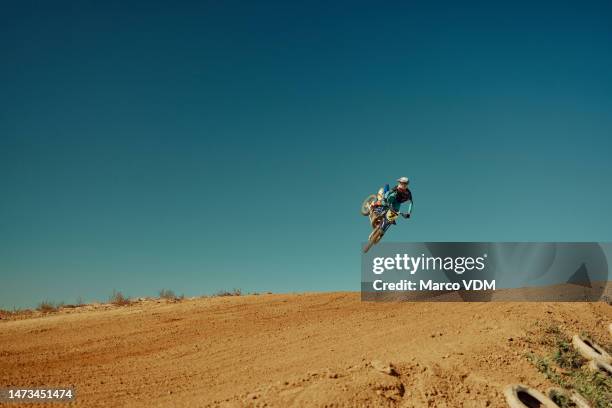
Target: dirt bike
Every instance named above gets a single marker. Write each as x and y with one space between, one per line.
381 218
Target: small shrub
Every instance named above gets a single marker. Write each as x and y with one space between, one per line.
167 294
561 400
565 356
595 386
118 299
47 306
544 366
235 292
6 314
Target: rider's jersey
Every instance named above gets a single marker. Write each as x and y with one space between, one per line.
395 198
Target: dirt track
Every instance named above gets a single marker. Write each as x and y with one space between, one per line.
282 350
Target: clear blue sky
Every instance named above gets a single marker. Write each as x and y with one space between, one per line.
206 145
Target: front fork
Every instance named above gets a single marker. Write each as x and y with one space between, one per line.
384 223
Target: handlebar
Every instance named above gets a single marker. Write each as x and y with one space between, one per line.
405 215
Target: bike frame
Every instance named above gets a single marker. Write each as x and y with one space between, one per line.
385 224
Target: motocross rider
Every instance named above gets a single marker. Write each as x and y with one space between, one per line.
396 196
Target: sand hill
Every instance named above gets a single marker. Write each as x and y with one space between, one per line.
326 349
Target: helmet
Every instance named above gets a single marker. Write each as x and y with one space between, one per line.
403 180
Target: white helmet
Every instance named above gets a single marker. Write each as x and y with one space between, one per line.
403 180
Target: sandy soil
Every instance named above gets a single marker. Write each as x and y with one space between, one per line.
287 350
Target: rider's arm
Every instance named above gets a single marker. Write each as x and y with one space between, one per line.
389 197
409 203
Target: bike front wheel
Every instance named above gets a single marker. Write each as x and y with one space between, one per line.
373 239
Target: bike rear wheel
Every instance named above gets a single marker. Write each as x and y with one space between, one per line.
365 206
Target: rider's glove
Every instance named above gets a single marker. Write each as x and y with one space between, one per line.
406 215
